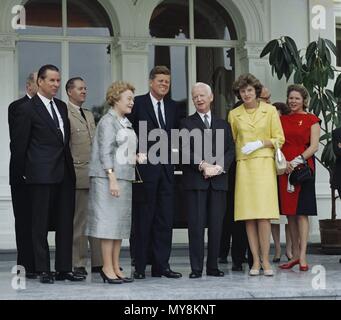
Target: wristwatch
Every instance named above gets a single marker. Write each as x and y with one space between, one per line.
109 171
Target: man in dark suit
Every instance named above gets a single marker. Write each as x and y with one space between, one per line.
19 192
153 216
43 159
205 179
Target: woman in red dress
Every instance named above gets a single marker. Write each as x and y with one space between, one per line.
302 132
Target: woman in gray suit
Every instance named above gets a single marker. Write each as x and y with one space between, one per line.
112 170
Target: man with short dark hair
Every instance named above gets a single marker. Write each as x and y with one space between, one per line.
153 215
83 127
19 193
45 162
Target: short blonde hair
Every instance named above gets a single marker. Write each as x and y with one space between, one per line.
116 89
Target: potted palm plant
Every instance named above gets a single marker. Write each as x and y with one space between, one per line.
313 68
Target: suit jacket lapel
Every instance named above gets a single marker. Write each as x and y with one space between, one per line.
150 110
64 116
169 115
198 121
40 108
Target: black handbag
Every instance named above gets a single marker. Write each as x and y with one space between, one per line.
301 174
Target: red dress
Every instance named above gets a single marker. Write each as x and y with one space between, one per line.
297 129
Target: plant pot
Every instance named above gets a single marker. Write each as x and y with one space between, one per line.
330 231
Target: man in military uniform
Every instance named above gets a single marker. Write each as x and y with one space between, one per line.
82 125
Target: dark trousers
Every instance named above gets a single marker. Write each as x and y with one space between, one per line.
53 202
153 223
205 207
23 226
236 231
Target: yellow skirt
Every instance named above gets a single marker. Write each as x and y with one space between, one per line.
256 195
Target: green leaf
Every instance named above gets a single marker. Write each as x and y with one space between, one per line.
328 56
274 54
331 74
331 46
293 51
311 50
326 136
313 101
268 48
298 77
287 54
321 47
337 87
330 95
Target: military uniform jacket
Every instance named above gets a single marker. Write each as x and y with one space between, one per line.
82 133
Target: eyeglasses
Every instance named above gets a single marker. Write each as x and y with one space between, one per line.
265 98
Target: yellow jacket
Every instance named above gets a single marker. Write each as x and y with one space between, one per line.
264 124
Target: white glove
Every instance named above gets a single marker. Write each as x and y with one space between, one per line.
295 162
252 146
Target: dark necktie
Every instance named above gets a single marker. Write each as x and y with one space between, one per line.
82 113
161 121
54 115
206 121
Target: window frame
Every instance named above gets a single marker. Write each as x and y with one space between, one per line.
64 40
192 44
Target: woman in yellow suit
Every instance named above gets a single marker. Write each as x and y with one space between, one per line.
256 129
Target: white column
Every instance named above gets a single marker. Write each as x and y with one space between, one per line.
7 94
132 57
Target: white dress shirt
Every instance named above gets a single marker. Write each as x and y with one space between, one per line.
155 106
202 116
46 102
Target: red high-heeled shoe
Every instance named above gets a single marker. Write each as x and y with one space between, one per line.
289 265
304 268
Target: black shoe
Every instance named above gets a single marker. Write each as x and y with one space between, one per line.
31 275
110 280
80 271
195 275
96 269
139 275
237 267
46 277
71 276
223 260
276 260
99 269
340 260
126 279
168 273
215 273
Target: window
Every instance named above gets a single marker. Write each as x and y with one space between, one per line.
68 34
196 39
338 41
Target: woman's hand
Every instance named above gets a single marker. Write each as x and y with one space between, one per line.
289 168
141 157
113 186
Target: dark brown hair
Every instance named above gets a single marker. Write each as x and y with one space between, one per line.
244 80
71 84
282 107
158 70
43 69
